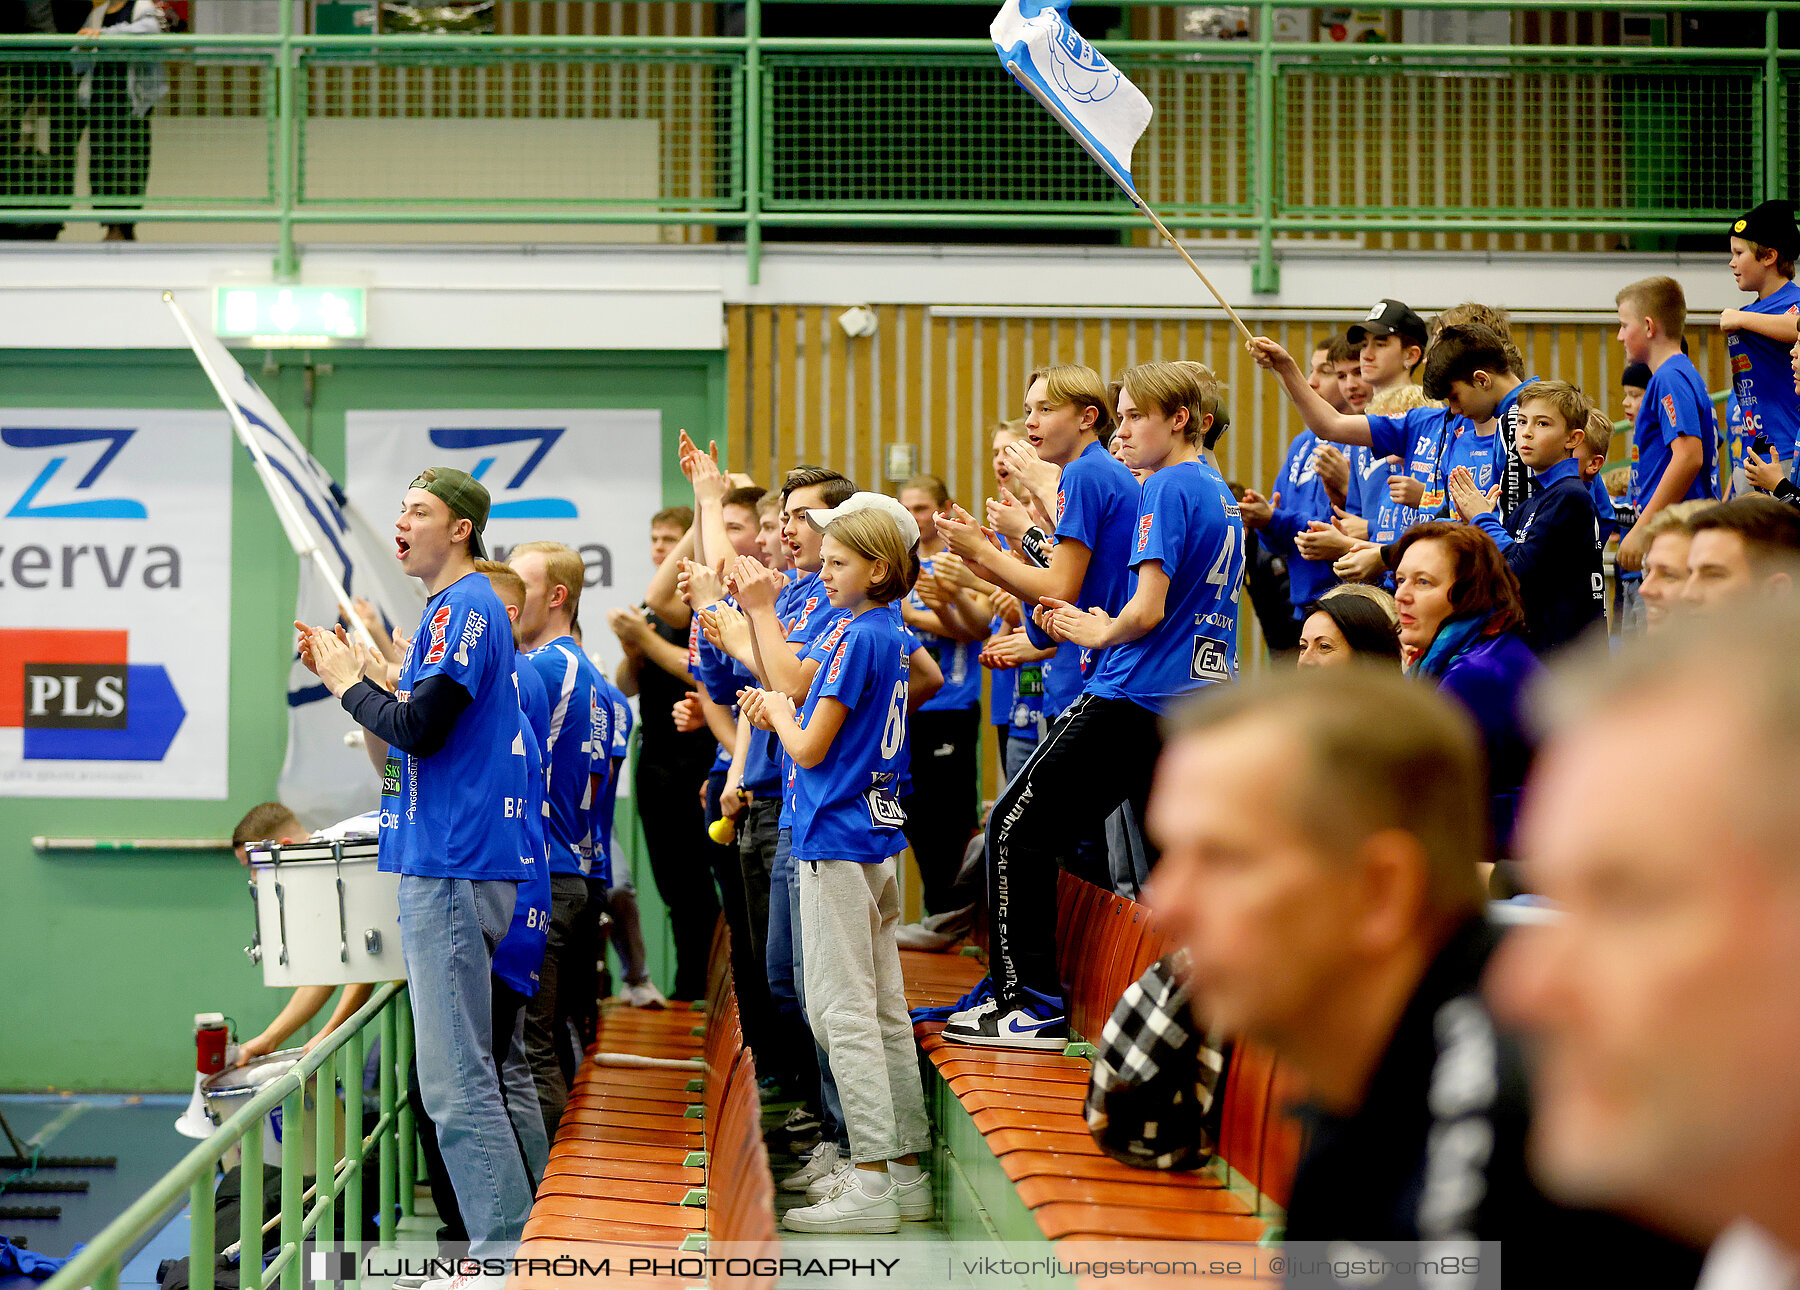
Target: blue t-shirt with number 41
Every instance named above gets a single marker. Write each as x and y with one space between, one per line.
1188 521
460 813
847 807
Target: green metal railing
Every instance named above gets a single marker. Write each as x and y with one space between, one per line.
1534 146
340 1055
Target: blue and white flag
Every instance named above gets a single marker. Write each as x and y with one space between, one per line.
1079 86
324 777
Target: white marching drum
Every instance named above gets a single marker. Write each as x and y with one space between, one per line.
325 915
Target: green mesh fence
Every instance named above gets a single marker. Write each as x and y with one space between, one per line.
112 132
613 129
1570 140
863 131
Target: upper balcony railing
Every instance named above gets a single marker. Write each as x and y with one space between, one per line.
1495 124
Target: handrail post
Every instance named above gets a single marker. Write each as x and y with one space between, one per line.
201 1256
409 1129
293 1168
1771 132
250 1210
390 1137
325 1154
352 1205
753 138
1265 276
287 125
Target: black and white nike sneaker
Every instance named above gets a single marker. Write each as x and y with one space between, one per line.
1039 1021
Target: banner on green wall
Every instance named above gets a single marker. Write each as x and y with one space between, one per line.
589 478
115 603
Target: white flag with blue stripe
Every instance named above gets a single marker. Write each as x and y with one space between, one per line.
1079 86
323 778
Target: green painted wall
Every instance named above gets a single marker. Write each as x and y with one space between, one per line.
104 959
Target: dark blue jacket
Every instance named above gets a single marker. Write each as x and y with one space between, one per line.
1552 543
1490 678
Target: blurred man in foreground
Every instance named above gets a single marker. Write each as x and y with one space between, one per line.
1320 832
1666 1000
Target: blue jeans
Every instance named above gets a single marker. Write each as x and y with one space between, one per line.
448 930
1015 751
784 917
832 1107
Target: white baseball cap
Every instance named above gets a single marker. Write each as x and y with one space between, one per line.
909 527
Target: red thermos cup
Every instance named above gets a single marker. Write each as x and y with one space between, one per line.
210 1037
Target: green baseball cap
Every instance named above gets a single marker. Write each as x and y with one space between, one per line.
464 494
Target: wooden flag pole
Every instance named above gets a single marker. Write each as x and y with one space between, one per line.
1161 228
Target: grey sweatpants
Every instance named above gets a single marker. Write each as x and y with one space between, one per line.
856 1003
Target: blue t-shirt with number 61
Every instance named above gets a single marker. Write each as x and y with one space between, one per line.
847 807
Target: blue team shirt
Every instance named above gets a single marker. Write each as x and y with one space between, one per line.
1675 404
1097 499
580 723
1762 378
1483 454
1190 523
601 820
1419 438
1303 500
520 952
959 661
806 615
1003 683
460 813
723 676
1371 492
848 806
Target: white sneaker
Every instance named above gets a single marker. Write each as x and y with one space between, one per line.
824 1160
969 1016
822 1187
914 1199
849 1209
644 995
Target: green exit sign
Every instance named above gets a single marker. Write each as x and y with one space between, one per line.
291 317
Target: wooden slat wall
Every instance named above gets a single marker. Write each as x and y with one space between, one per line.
800 391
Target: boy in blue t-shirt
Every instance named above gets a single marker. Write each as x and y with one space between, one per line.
1176 632
1067 412
1299 497
1764 245
580 722
455 794
847 747
1676 438
1418 438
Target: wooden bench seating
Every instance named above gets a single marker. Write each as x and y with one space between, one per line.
1027 1106
632 1170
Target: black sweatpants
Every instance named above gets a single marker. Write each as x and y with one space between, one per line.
943 805
738 896
1101 752
668 803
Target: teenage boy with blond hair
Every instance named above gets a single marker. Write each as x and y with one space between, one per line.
1552 542
1675 440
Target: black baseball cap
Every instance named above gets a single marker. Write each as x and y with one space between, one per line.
464 495
1771 225
1636 375
1389 318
